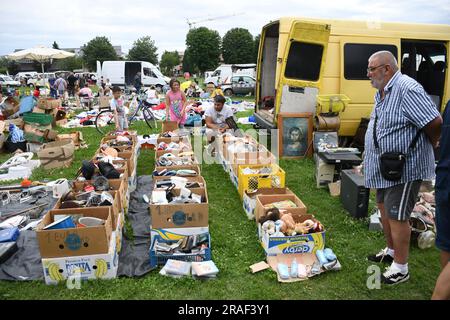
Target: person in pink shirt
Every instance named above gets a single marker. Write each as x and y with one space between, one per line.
176 103
86 91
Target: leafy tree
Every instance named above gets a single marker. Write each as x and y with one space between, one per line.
55 45
203 48
169 60
256 48
100 49
69 64
237 46
144 49
188 65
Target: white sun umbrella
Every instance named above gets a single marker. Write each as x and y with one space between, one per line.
40 54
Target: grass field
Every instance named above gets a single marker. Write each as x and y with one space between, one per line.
235 247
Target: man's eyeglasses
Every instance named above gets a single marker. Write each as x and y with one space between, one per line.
372 69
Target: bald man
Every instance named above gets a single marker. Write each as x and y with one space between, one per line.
403 113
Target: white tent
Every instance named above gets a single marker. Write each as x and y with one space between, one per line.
40 54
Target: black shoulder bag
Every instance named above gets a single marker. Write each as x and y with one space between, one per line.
392 163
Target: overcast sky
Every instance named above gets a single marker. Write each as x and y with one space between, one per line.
26 23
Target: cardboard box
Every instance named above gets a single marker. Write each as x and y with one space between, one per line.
56 154
307 243
198 179
264 200
169 126
241 159
116 208
48 103
185 215
249 200
175 139
88 267
38 110
196 168
176 233
75 241
118 185
76 137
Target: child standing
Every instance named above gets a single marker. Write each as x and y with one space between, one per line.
176 103
119 109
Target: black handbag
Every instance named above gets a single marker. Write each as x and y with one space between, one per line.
392 163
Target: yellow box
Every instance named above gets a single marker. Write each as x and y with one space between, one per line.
252 182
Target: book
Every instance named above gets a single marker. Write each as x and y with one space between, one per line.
177 267
204 268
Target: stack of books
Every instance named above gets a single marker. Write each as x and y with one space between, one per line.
204 270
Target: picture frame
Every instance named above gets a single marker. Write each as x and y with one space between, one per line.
295 135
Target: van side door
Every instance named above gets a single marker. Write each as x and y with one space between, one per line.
302 67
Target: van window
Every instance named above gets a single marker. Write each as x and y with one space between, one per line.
304 61
149 73
356 57
216 73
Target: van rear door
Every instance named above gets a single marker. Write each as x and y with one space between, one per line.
302 67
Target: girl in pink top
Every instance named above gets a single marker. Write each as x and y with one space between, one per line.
176 103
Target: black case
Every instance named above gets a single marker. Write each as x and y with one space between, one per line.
354 195
7 249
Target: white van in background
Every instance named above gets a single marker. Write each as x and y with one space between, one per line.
225 71
122 73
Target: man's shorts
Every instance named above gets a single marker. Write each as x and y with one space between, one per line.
399 200
443 219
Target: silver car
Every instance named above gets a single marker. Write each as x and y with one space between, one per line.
239 85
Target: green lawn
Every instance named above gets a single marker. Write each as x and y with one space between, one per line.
235 247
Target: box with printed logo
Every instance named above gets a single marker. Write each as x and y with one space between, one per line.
175 233
304 243
81 268
76 241
249 200
181 215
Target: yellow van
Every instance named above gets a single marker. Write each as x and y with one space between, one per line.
299 59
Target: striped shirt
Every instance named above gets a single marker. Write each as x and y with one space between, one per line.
405 109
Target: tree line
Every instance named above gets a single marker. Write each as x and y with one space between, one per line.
204 49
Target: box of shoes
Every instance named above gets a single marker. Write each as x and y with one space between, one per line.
76 238
72 270
275 244
178 213
174 169
249 200
188 182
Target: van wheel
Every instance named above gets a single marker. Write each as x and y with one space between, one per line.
228 92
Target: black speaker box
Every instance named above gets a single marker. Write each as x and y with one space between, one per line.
354 195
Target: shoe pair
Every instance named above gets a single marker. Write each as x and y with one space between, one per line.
393 276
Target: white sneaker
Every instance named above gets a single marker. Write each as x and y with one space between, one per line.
393 276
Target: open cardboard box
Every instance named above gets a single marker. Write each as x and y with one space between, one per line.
86 267
116 208
249 200
75 241
263 200
176 139
48 103
198 179
118 185
56 154
175 233
184 215
196 168
169 126
304 243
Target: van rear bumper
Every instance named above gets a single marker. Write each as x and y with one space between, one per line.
263 123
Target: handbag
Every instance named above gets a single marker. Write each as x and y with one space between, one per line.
392 162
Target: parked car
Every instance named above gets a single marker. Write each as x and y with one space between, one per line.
28 75
41 79
6 80
239 85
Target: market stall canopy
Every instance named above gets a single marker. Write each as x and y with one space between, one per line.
40 54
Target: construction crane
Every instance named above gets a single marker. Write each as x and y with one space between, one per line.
191 23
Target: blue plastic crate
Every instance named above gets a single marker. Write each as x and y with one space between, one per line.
161 259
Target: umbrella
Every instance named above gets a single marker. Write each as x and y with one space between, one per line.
40 54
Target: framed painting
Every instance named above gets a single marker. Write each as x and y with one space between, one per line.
295 135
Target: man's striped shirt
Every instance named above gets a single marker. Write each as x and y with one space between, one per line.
405 109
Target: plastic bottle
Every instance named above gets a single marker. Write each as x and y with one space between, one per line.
426 239
294 268
321 257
